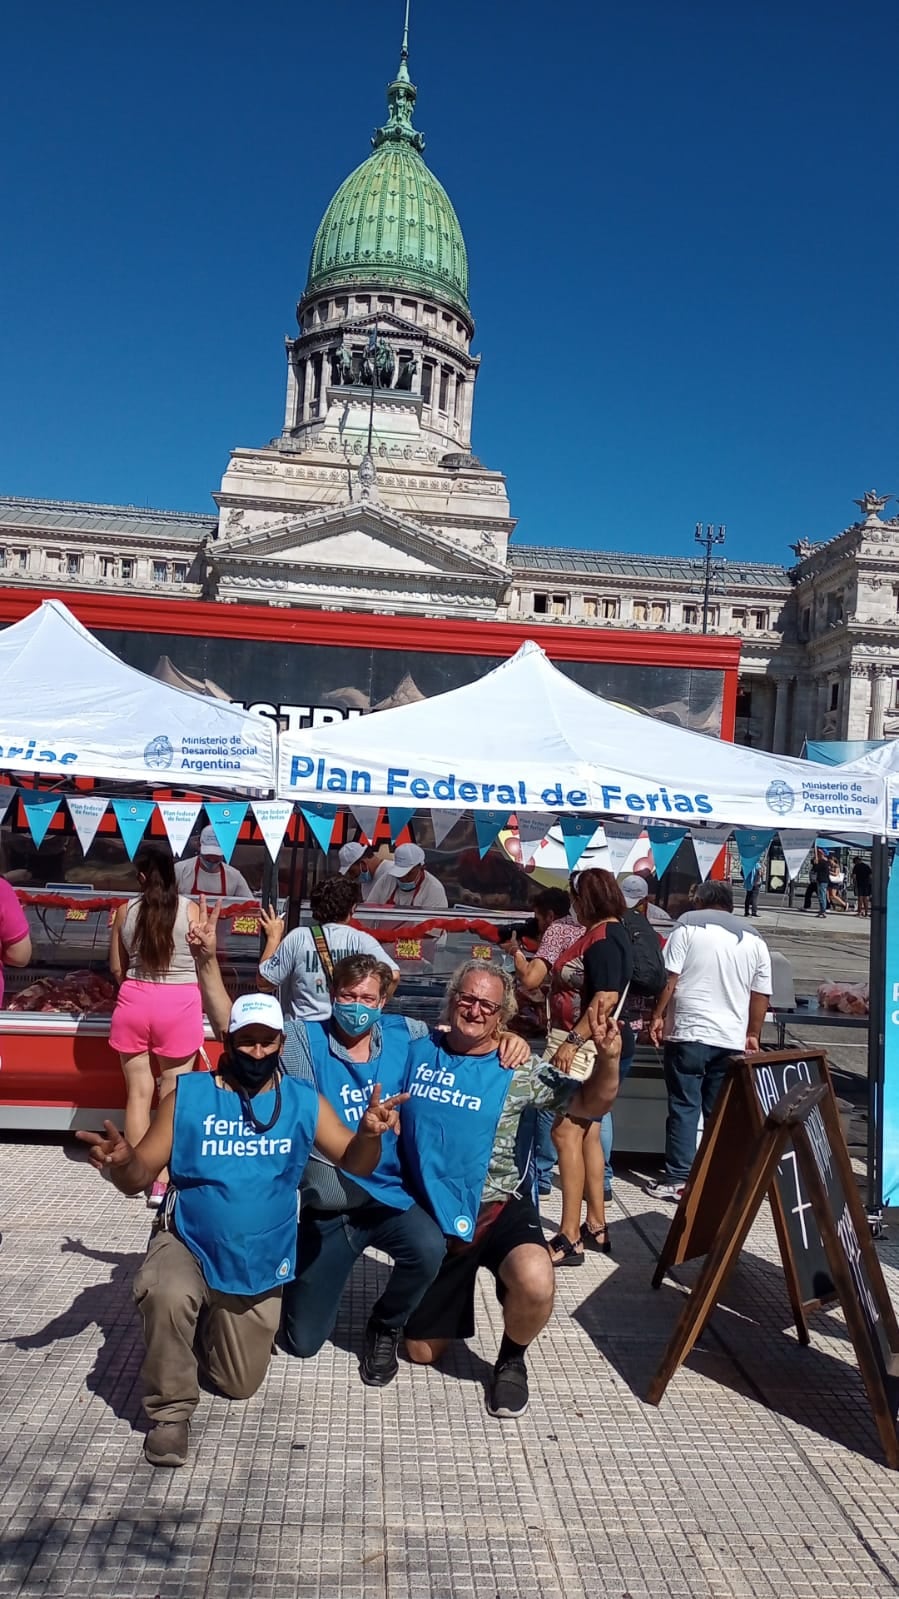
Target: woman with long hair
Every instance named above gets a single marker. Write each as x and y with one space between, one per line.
157 1023
593 972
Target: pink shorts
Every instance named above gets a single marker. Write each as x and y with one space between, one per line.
157 1018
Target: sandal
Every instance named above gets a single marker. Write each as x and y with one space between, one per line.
564 1253
596 1238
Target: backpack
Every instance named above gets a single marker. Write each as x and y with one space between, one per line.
649 967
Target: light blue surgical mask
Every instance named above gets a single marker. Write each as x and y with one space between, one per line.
353 1017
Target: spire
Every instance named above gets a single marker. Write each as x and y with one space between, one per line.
401 96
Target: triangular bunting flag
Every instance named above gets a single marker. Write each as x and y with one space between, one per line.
796 847
40 810
623 845
7 795
752 843
443 823
132 817
320 821
272 817
226 822
398 817
665 841
487 825
708 842
87 812
367 817
577 832
179 819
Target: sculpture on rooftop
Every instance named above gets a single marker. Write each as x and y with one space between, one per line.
872 503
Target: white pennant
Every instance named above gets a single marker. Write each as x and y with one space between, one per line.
367 817
796 847
624 846
443 823
179 819
272 817
707 846
87 813
7 796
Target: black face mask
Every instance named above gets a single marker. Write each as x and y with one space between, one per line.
248 1076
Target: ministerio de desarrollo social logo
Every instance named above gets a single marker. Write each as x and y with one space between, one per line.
780 797
159 753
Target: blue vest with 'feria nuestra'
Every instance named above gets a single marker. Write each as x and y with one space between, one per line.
347 1086
449 1128
236 1188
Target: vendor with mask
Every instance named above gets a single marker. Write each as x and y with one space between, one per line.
340 1217
359 863
404 884
209 873
236 1143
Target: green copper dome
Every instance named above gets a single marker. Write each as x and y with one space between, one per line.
391 222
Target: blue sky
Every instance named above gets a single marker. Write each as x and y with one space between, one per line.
681 224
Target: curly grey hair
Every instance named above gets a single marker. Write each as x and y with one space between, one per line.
509 1002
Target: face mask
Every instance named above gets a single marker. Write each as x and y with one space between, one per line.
210 863
365 877
247 1072
354 1018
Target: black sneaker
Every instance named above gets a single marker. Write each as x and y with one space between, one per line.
379 1364
507 1395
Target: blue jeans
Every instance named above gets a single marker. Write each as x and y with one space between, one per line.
694 1074
606 1126
328 1246
534 1149
822 895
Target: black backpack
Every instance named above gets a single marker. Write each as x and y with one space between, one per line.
649 967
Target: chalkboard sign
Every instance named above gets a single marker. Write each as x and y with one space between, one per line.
793 1150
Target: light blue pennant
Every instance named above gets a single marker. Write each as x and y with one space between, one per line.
577 832
751 843
665 841
132 816
488 825
399 817
320 821
40 810
226 822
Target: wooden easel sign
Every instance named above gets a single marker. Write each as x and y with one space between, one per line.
776 1131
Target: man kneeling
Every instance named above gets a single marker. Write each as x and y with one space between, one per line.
236 1144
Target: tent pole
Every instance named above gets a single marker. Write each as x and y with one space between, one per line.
880 872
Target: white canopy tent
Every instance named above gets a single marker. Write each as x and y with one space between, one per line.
880 765
72 708
525 737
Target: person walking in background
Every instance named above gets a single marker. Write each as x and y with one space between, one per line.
818 881
752 884
861 882
721 973
157 1020
836 881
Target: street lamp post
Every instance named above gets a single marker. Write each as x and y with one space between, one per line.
709 537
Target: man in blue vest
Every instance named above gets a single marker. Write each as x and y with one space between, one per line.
460 1129
236 1143
341 1217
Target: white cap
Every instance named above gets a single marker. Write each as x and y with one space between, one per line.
634 890
406 857
209 844
349 855
256 1010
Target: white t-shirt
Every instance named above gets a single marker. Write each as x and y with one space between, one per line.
719 964
224 879
428 895
297 971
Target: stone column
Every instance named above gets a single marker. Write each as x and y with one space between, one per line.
290 406
307 390
881 679
781 702
766 689
821 686
451 402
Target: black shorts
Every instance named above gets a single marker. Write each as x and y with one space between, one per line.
447 1310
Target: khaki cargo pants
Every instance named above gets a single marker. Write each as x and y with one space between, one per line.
187 1324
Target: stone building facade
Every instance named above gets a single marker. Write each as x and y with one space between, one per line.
371 498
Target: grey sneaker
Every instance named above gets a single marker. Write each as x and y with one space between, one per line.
507 1392
166 1443
664 1189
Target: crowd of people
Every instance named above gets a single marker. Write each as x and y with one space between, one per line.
331 1124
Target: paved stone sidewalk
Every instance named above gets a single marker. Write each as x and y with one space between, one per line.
760 1474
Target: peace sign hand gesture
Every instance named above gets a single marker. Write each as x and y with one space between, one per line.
202 934
107 1151
381 1116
